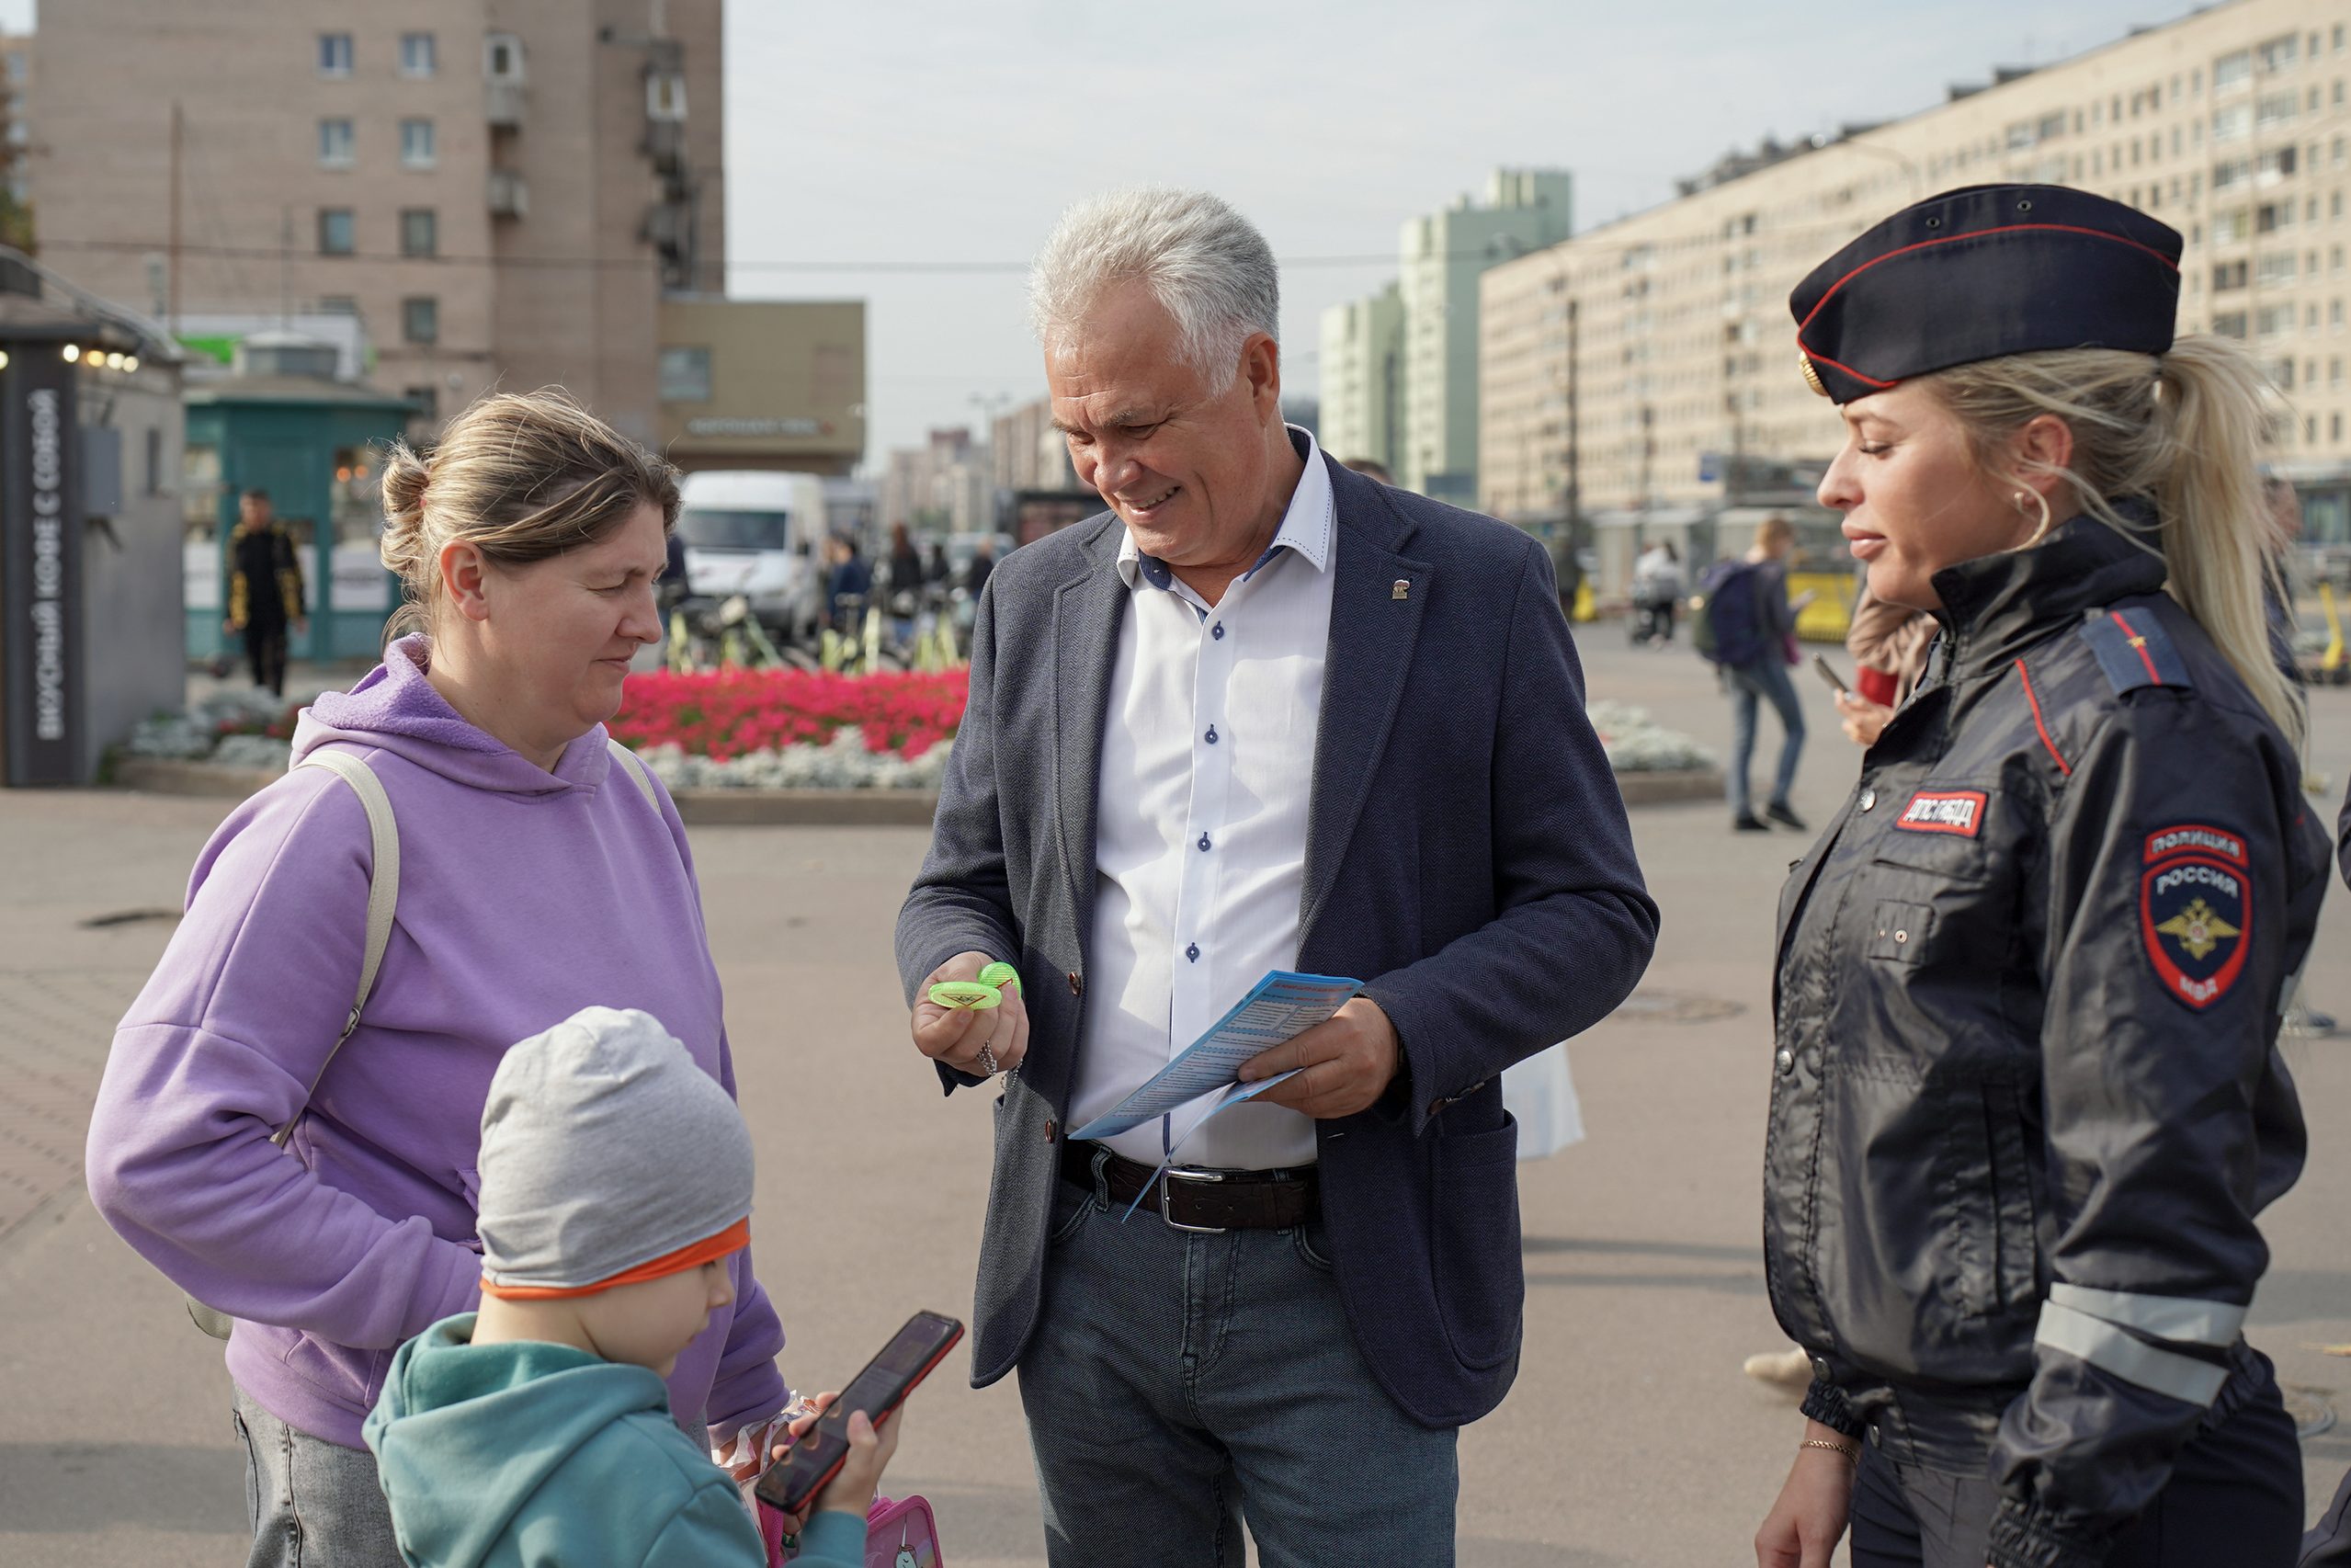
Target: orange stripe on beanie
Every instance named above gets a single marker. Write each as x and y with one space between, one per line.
733 1239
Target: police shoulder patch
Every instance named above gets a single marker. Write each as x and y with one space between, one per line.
2132 649
2196 910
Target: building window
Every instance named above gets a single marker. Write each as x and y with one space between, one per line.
335 54
2233 70
502 58
2278 52
420 319
2228 275
423 402
2272 216
2232 122
2234 173
417 146
336 231
685 375
335 143
2275 271
2231 324
417 56
2275 165
2276 108
155 459
420 231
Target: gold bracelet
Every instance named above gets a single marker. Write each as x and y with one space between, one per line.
1852 1451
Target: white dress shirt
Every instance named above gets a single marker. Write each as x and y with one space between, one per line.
1208 763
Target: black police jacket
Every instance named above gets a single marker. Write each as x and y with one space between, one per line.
2026 1101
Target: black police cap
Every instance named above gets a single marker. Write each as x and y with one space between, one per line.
1982 272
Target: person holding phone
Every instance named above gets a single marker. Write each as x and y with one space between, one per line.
2026 1102
538 1429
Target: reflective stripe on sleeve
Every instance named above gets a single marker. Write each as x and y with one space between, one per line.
2183 1318
2111 1349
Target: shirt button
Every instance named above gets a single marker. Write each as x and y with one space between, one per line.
1786 1059
1204 843
1217 631
1193 952
1211 735
1869 798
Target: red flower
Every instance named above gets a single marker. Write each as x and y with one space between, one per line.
725 713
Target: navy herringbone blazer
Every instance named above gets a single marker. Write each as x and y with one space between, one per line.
1467 856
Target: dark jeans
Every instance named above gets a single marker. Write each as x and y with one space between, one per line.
264 649
311 1504
1765 680
1180 1382
2235 1498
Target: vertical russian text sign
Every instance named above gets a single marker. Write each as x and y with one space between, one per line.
40 567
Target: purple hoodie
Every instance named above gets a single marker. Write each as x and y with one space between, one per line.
523 897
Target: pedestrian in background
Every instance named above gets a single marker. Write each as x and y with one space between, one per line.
1263 714
1752 623
850 587
537 873
1656 590
2027 1102
264 589
983 562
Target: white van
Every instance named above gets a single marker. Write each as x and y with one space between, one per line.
758 534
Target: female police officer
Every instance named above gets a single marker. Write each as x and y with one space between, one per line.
2026 1102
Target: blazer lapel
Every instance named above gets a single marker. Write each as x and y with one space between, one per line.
1373 632
1087 612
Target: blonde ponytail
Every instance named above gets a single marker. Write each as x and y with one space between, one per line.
2183 435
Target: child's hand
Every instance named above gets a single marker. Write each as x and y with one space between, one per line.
851 1492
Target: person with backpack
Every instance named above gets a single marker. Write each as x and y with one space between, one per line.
310 1168
1746 625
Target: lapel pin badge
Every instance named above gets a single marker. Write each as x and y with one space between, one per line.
1402 590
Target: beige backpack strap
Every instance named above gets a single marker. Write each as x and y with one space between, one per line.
632 764
383 895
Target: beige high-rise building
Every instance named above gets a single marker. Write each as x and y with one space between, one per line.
501 192
1363 378
2231 125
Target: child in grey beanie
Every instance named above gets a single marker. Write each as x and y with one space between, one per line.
616 1183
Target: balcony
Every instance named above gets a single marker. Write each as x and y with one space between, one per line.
509 195
502 105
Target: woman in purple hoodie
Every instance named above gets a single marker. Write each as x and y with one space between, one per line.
539 874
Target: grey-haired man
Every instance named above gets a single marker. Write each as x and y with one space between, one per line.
1263 713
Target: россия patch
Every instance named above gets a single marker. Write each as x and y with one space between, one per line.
2195 909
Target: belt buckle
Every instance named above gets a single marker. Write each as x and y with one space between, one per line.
1186 1173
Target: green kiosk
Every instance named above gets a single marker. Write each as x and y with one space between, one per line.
281 422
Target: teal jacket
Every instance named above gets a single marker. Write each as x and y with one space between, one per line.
528 1455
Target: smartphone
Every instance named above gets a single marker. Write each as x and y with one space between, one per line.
878 1391
1828 672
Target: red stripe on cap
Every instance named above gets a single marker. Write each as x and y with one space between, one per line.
2138 644
1824 359
1971 235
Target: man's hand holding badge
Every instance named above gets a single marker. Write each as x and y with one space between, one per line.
970 1016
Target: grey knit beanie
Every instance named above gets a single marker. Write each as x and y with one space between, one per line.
604 1147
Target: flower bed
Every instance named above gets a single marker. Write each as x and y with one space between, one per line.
1636 744
726 714
781 730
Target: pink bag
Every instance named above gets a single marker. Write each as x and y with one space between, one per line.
902 1534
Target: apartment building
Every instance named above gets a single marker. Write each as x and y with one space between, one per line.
1363 372
1650 365
1027 452
501 193
15 137
942 485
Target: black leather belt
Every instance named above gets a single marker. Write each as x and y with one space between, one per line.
1190 1197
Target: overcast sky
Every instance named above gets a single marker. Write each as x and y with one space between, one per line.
927 131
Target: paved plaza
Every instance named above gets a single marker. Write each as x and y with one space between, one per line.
1631 1438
